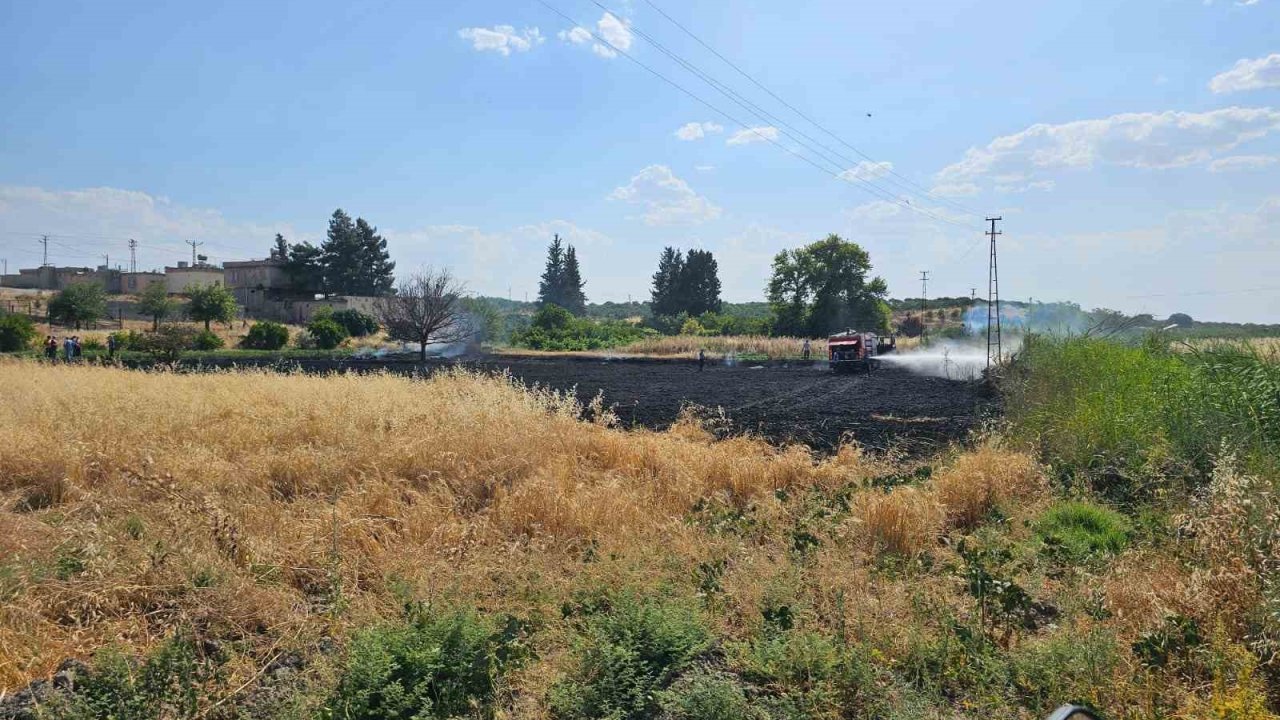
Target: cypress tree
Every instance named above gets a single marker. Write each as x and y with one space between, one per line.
700 283
374 272
551 288
340 254
575 300
664 298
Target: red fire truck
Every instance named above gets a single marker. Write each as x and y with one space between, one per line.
852 351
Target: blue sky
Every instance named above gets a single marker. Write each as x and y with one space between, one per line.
1133 149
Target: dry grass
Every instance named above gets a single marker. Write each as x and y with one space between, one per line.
688 346
976 483
268 511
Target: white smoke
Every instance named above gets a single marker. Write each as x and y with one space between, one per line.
944 359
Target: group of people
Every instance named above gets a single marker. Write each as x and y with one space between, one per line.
71 348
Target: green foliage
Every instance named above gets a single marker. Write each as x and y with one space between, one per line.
433 665
823 288
685 285
1171 644
130 340
304 266
1069 666
78 304
166 685
356 323
168 342
206 340
707 696
554 328
355 259
1129 418
211 303
1076 531
266 335
156 303
17 332
488 322
326 333
813 675
561 282
628 652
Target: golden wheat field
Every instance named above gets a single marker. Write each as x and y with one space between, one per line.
273 511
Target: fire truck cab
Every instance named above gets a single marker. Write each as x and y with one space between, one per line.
852 351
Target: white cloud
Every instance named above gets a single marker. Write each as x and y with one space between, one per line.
1246 74
704 168
1242 162
867 170
502 39
696 130
1141 140
752 135
955 189
667 199
89 222
613 30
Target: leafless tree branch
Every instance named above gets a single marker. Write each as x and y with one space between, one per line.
426 309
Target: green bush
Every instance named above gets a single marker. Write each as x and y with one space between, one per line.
166 685
707 696
356 323
554 328
129 340
1076 531
626 655
168 342
206 340
812 675
266 335
17 332
326 333
1067 667
433 665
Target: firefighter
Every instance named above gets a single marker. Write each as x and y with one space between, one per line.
702 359
804 351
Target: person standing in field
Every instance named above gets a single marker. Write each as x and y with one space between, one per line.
112 343
50 348
804 351
702 359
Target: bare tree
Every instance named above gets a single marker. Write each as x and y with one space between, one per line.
426 309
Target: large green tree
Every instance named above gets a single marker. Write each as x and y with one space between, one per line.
78 304
561 282
687 284
823 288
155 301
304 266
211 303
355 258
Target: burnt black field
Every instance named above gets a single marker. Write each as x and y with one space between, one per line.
783 403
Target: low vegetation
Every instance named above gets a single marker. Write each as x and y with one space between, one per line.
460 546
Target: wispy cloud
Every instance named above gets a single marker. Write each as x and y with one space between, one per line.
867 170
1162 140
502 39
1242 162
762 133
1247 74
615 31
697 130
667 199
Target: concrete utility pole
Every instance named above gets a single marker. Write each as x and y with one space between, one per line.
994 351
106 260
133 256
44 240
193 245
924 293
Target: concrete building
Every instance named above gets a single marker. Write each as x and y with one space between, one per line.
50 277
179 279
134 283
256 282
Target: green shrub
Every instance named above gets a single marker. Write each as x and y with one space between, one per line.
813 675
433 665
357 324
166 685
17 332
1076 531
266 335
326 333
206 340
129 340
169 342
554 328
1067 667
628 653
707 695
93 344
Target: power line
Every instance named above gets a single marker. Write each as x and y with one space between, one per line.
815 123
874 190
765 116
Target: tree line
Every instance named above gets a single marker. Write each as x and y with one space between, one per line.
352 260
